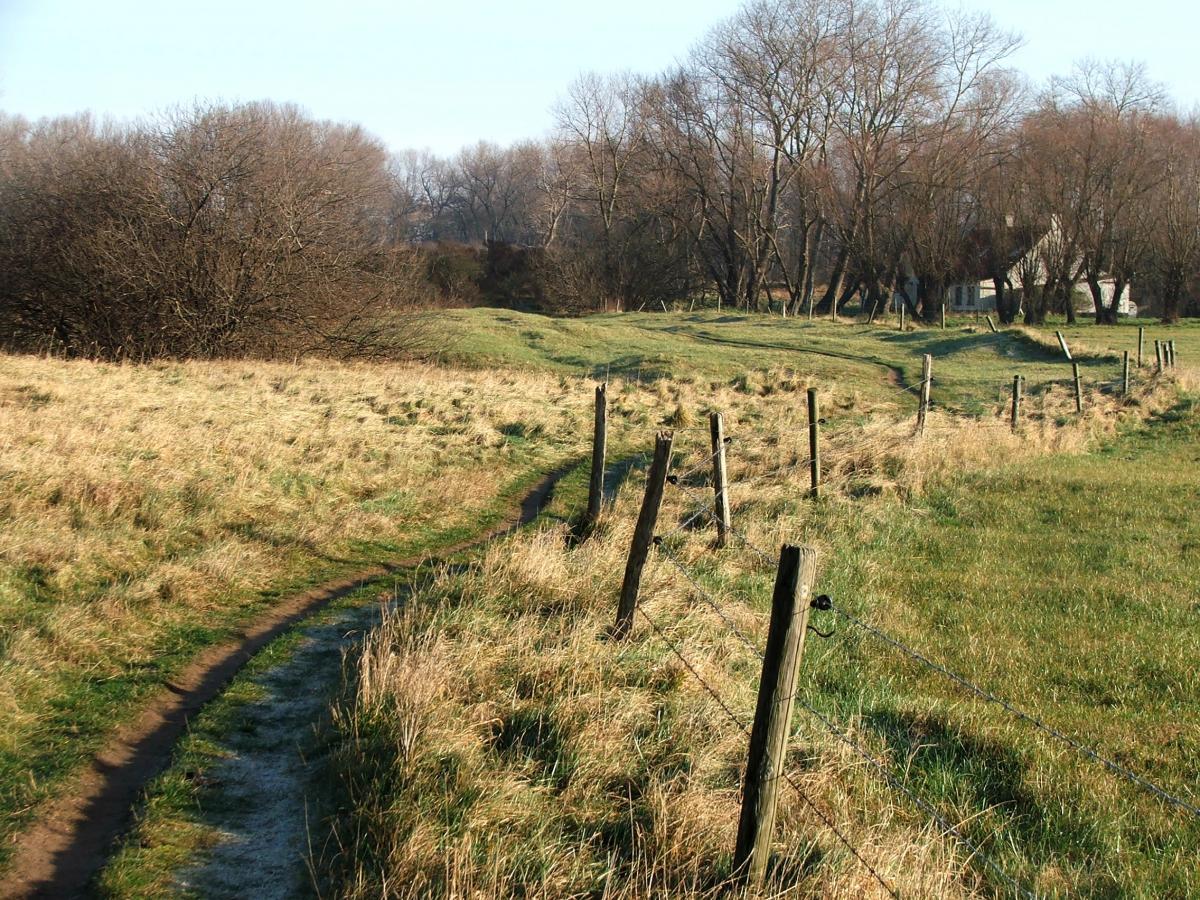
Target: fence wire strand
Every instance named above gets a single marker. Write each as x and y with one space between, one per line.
987 695
733 717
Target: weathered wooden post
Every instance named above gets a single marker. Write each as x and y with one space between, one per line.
1062 342
1125 373
902 305
1158 355
814 445
991 324
643 533
773 713
1141 339
926 380
1171 352
1015 415
599 448
943 317
1078 387
716 430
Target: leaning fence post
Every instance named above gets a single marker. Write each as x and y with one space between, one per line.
1015 415
1062 342
716 429
1158 354
1125 373
643 533
1141 339
814 448
991 324
1078 387
926 378
773 713
599 448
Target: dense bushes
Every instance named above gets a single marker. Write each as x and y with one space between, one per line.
217 230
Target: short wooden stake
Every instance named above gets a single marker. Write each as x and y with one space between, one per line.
716 430
1015 415
991 324
773 714
643 533
1062 342
1158 355
599 448
1078 387
1125 373
1141 339
814 445
926 379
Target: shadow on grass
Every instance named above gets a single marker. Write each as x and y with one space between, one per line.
988 781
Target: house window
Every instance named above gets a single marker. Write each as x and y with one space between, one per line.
958 295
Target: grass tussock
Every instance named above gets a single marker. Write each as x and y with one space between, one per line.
498 744
495 741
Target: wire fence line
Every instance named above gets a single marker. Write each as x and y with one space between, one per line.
705 508
879 768
745 729
1028 718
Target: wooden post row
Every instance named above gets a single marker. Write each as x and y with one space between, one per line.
716 428
643 533
1078 387
599 448
926 379
1062 342
773 713
814 445
1015 415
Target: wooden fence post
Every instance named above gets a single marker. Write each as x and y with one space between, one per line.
1158 354
1015 415
902 305
926 378
1078 387
599 448
716 429
991 324
1062 342
1125 373
814 446
773 712
1141 340
943 317
643 533
1171 352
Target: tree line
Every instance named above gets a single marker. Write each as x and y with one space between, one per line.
830 151
814 153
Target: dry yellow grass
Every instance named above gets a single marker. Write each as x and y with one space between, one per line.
496 743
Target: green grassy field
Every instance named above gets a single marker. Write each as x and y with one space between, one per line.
1060 578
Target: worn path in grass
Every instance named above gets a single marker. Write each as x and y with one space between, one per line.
59 855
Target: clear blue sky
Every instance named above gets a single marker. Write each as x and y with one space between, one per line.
444 73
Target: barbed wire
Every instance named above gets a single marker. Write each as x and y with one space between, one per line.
733 717
925 805
985 694
892 780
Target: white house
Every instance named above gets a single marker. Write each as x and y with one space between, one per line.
976 291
